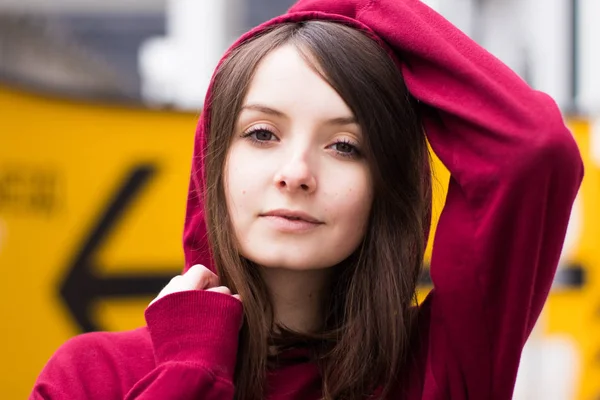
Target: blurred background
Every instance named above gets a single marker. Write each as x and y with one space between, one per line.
98 105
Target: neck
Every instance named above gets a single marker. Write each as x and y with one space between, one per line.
298 297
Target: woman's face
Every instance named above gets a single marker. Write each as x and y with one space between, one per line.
298 189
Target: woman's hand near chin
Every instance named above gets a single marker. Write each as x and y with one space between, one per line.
198 277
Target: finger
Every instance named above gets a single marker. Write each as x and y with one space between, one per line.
199 277
220 289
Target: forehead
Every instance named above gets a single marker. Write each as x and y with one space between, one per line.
284 80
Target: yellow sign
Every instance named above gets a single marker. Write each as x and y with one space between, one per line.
92 201
570 327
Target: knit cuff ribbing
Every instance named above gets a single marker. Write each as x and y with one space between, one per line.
196 327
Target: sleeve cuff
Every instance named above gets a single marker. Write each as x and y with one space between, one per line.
196 327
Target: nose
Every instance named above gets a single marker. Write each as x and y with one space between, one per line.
296 176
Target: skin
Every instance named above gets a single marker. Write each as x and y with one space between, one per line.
296 146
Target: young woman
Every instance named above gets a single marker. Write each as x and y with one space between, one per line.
308 210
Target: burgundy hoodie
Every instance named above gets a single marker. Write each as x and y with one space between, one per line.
515 173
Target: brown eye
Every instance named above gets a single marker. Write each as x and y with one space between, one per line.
260 136
344 147
263 135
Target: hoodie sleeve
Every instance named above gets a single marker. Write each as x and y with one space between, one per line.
515 171
194 340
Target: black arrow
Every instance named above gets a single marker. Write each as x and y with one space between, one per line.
82 286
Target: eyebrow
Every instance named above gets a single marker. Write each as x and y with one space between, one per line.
276 113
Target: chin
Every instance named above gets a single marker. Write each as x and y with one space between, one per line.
293 265
304 261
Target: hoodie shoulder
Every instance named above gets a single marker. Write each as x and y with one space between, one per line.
102 365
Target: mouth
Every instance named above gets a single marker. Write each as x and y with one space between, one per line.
292 215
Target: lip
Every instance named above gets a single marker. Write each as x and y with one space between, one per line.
292 215
280 220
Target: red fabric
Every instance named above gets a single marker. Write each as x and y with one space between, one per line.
515 173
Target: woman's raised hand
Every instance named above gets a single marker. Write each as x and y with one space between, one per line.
198 277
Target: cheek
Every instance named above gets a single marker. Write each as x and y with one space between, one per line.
351 198
235 185
242 182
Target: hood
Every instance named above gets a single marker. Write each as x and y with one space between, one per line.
354 13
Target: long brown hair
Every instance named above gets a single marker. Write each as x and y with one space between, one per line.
364 344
